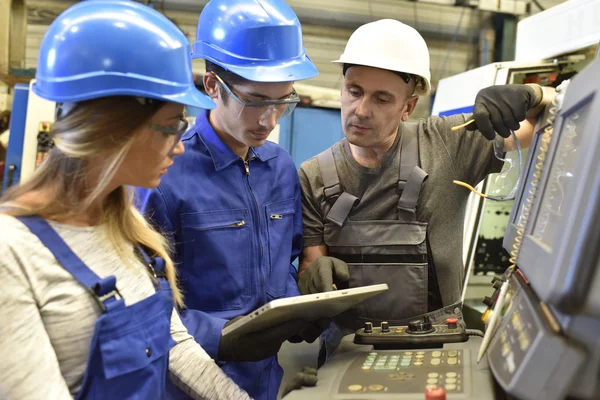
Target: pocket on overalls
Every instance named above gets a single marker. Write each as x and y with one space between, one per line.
280 217
390 252
407 294
216 249
133 346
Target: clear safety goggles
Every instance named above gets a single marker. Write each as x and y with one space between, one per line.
263 109
169 136
502 186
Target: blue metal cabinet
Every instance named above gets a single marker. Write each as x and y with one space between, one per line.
14 152
308 131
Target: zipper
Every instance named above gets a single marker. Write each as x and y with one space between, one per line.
256 211
280 216
238 224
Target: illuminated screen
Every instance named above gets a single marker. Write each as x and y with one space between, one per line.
561 178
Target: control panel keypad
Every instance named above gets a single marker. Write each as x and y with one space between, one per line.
410 371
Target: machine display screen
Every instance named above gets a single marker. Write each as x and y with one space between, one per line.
561 178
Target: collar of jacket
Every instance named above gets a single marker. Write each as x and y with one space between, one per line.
220 153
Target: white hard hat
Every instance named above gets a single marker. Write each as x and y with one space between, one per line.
392 45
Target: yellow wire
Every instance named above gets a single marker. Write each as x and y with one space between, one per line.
457 127
460 183
471 188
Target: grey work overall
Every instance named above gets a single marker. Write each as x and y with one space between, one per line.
382 251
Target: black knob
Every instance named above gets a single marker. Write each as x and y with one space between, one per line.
497 279
385 327
420 326
368 327
497 285
488 302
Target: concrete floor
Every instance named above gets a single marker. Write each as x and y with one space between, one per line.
295 356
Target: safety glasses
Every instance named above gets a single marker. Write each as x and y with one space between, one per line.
501 187
266 108
170 135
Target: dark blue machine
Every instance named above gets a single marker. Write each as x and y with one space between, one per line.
14 153
308 131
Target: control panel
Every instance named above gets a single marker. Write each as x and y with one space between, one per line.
407 372
420 333
528 355
357 372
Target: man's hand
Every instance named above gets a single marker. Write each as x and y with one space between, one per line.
256 346
321 274
499 109
314 329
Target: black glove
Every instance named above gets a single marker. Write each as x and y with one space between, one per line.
321 274
314 329
306 377
256 346
500 108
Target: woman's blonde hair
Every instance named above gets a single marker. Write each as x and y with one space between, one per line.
93 140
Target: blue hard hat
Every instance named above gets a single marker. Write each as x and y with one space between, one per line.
106 48
259 40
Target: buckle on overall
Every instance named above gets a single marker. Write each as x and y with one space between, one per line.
332 191
401 186
102 298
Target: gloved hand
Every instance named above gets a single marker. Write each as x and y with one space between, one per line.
321 274
500 108
306 377
256 346
314 329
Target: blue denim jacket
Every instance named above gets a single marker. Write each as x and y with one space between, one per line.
236 231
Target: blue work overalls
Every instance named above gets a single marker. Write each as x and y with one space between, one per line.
236 227
129 352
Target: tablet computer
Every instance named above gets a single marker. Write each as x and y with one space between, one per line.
309 307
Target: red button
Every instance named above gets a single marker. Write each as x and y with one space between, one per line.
435 393
451 323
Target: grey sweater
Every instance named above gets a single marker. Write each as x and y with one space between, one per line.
47 318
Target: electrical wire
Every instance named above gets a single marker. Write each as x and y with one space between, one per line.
474 332
451 45
537 3
415 15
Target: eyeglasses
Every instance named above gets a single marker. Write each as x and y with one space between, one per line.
505 177
173 133
281 107
499 182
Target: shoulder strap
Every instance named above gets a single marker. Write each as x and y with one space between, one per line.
104 290
332 189
331 181
156 266
411 176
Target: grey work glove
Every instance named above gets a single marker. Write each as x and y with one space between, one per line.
321 274
313 330
501 108
306 377
259 345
